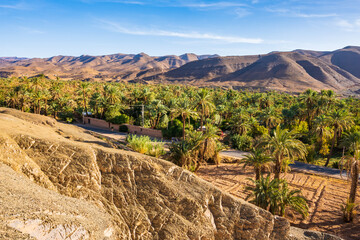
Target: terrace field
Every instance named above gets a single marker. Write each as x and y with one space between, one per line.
325 196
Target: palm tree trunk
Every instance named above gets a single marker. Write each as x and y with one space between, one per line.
183 118
277 168
354 185
86 112
332 148
257 173
202 119
46 107
354 181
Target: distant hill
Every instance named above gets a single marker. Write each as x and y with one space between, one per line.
293 71
106 67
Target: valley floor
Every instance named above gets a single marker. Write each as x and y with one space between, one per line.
325 196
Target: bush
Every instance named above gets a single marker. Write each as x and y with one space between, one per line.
311 155
144 145
174 129
120 119
276 196
335 165
258 130
242 142
141 144
123 128
157 149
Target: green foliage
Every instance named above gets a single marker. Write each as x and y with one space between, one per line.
141 144
311 154
69 120
242 142
174 129
349 211
258 130
144 145
302 127
284 147
276 196
260 160
120 119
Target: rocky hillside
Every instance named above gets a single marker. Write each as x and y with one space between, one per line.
59 182
293 71
106 67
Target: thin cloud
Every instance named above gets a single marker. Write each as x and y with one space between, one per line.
31 30
291 13
18 6
115 27
116 1
303 15
213 5
188 4
347 25
242 12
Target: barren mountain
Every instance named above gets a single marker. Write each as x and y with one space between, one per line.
347 58
106 67
59 182
293 71
207 68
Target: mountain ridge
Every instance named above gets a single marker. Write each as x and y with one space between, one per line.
292 71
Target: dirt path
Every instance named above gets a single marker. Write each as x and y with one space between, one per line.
325 197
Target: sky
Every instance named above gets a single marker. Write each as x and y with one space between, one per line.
45 28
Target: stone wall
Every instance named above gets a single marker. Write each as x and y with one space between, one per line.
131 128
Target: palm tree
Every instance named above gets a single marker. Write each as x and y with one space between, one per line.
339 120
205 104
262 192
283 144
309 97
84 91
270 117
275 196
185 110
352 141
291 198
158 112
321 129
209 142
259 160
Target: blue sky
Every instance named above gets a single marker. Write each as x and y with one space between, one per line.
44 28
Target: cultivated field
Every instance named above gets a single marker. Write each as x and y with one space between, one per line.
325 195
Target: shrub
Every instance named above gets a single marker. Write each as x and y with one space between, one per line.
120 119
157 149
174 129
258 130
242 142
349 210
123 128
141 144
276 196
144 145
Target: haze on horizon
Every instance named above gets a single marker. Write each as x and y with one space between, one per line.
42 28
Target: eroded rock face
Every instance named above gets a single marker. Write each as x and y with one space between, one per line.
139 197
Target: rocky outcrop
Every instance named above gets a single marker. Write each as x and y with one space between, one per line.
69 184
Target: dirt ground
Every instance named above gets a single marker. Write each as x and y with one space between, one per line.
325 197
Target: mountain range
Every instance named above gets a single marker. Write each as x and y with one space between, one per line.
293 71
